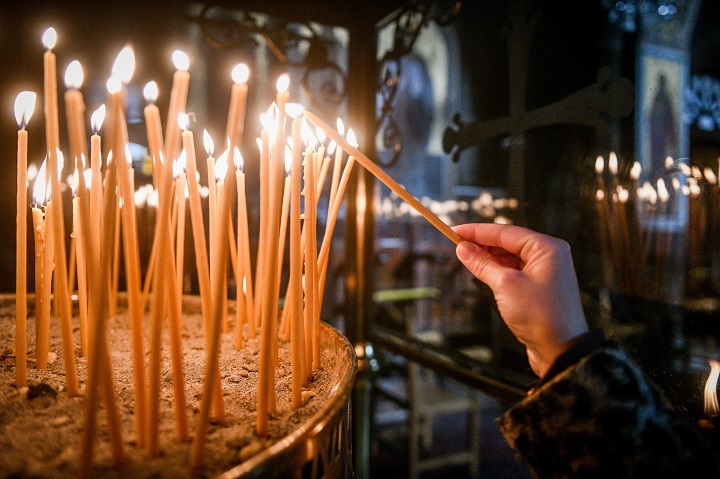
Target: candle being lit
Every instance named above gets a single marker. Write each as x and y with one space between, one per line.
24 107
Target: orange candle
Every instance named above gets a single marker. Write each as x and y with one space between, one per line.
24 106
178 102
244 249
236 111
53 141
81 275
75 110
180 238
297 357
153 127
381 175
96 186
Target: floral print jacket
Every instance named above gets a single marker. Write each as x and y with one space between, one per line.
602 418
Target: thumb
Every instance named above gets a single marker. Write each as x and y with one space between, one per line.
478 261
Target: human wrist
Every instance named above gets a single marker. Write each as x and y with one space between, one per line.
576 349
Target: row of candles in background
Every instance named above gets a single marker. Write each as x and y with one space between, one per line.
295 163
643 224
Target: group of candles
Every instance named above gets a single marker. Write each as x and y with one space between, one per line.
104 196
643 222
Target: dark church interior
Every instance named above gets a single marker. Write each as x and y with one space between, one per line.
597 122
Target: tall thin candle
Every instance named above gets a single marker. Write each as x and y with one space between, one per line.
75 110
24 106
178 102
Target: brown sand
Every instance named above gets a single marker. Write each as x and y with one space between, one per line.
40 427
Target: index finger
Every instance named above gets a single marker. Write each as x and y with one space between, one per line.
511 238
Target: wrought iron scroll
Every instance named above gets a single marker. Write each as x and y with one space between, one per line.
323 79
408 24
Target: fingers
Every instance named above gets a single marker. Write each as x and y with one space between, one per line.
509 237
482 264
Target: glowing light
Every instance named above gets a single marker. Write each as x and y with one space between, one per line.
710 396
40 188
124 65
600 195
613 163
221 166
49 38
294 110
599 164
150 92
209 143
181 60
340 127
114 85
240 73
24 107
352 139
238 159
182 120
74 75
635 171
97 118
283 83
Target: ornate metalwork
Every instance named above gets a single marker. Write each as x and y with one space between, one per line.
408 24
303 45
702 103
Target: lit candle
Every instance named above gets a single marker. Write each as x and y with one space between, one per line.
96 184
178 102
75 110
238 99
153 127
311 327
211 384
297 340
375 170
337 165
219 171
244 282
81 267
24 106
332 219
284 210
199 242
121 74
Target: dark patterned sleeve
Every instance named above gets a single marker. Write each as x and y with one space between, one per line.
602 418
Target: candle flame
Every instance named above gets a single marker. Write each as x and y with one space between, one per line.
209 143
221 166
128 155
600 195
97 118
124 65
669 162
238 159
307 135
635 171
710 175
320 134
182 160
40 188
331 147
288 159
623 195
662 191
352 139
60 162
599 165
150 92
87 174
294 110
114 85
177 167
181 60
182 120
49 38
24 107
240 73
283 83
613 163
710 396
675 183
74 75
696 172
340 127
258 142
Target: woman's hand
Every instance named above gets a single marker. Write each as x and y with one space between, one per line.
533 279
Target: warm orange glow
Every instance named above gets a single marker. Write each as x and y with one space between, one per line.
599 165
710 396
124 66
209 143
40 190
49 38
97 118
635 171
240 73
221 166
24 107
151 92
613 163
283 83
74 75
182 120
181 60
